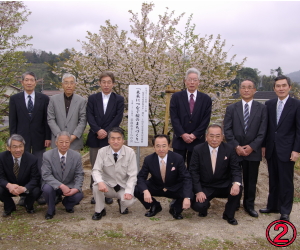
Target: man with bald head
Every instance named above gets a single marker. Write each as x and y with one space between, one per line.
245 125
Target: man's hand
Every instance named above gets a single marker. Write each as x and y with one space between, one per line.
294 156
248 150
240 151
20 190
263 152
200 197
193 137
147 196
186 203
47 143
73 138
65 189
235 189
72 192
127 196
102 187
101 134
12 188
187 138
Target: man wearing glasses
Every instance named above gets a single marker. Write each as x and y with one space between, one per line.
245 126
190 112
104 111
67 112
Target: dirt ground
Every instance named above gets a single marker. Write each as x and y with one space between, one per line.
135 231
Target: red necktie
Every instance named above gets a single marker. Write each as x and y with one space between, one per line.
192 103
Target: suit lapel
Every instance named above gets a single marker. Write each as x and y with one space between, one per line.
100 104
23 104
185 100
253 111
69 164
110 155
239 110
73 107
57 165
170 165
220 158
10 164
207 160
110 105
23 166
273 114
285 111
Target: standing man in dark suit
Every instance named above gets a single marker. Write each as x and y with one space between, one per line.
282 147
169 178
19 176
62 174
104 111
190 112
28 118
67 112
216 172
245 126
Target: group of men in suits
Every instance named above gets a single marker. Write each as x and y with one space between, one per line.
214 168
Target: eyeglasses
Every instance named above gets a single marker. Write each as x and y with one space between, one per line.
106 82
192 80
68 83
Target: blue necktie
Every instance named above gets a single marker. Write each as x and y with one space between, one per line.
279 110
246 117
30 106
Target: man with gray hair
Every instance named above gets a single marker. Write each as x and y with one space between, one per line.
67 112
190 112
19 176
62 174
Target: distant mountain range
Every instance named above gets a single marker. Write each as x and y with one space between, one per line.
295 76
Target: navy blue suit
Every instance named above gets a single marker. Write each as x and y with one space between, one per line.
281 140
177 181
185 122
98 120
28 177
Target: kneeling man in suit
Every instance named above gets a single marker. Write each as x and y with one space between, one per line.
169 178
216 172
114 174
19 175
62 174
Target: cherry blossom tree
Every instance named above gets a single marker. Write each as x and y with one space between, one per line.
156 54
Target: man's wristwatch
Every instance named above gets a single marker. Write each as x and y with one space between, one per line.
236 183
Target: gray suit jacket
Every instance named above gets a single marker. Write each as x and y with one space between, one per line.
257 127
74 123
122 172
52 172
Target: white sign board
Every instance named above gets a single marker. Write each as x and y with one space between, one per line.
138 109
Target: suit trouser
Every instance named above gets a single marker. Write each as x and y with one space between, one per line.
100 198
9 204
93 156
250 173
177 205
230 207
69 201
281 185
187 155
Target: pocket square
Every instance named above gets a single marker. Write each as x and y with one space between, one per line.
225 158
173 168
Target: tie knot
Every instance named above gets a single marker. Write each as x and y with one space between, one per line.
16 160
162 161
214 150
192 95
63 158
246 104
29 96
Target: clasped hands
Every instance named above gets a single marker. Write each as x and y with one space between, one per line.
68 191
188 138
101 134
148 198
243 150
15 189
103 188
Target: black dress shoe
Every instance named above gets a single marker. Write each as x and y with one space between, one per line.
177 216
155 208
49 216
267 211
125 211
202 214
98 216
285 217
22 201
30 210
252 212
109 201
70 210
8 212
93 200
232 221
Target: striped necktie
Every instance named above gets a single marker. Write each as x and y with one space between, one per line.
16 168
279 110
246 117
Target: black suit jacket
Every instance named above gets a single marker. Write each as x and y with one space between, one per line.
98 120
35 130
28 177
184 122
285 135
177 175
234 128
227 168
